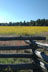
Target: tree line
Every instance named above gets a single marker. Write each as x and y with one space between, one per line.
39 22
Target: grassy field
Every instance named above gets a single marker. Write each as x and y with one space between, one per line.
22 30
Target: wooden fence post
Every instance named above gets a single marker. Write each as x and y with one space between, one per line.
35 59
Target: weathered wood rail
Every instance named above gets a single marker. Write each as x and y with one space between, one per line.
39 59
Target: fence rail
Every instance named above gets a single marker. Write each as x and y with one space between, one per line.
19 66
14 47
15 55
37 65
22 38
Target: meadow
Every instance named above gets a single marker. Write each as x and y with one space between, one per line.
22 30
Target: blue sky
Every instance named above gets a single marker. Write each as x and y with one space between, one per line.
20 10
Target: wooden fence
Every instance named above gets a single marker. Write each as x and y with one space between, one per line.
39 59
